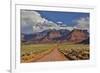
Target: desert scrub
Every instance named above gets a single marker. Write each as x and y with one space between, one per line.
75 51
32 52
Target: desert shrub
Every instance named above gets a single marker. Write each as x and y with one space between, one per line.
75 51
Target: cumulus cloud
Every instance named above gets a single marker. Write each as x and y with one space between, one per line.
82 23
28 19
32 16
31 21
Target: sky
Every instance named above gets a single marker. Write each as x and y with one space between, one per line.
65 17
36 21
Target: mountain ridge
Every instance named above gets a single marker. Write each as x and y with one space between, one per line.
62 35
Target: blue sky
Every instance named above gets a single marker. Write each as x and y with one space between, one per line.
65 17
33 21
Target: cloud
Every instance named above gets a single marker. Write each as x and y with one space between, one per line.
32 22
82 23
32 16
28 19
59 22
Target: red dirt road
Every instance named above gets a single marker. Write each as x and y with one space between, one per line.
55 55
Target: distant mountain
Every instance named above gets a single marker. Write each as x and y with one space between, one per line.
47 36
53 35
22 37
77 35
86 41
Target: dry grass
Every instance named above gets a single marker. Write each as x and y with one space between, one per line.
32 52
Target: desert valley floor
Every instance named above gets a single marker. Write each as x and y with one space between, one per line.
54 52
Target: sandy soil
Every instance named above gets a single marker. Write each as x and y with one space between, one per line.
55 55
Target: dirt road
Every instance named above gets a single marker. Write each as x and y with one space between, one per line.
55 55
